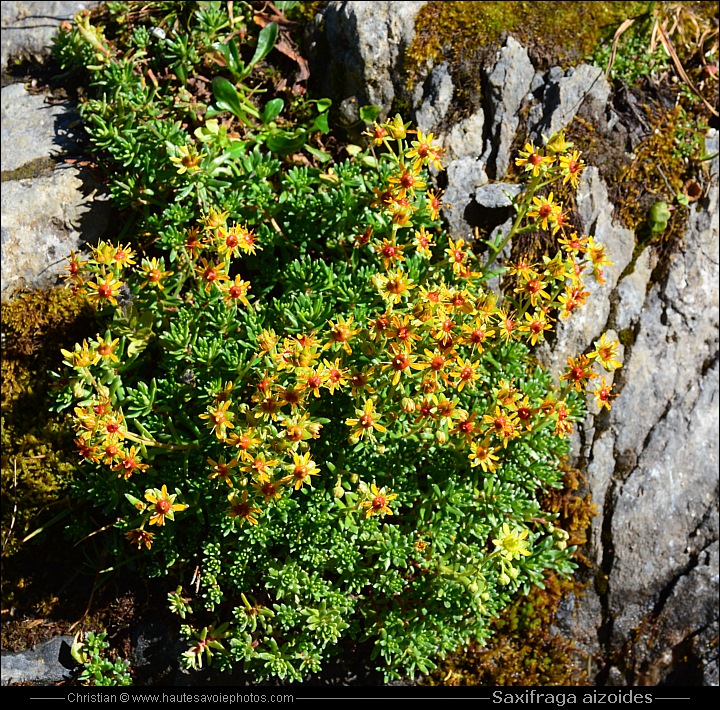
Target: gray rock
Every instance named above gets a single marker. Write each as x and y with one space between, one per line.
652 469
32 129
42 220
564 94
631 291
28 27
497 195
434 98
465 138
366 45
47 663
464 176
508 84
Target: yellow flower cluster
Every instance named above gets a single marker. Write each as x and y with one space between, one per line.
418 366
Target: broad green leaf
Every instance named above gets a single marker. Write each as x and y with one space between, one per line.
272 110
321 124
286 143
266 41
227 97
369 113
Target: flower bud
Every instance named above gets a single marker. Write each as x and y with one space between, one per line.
407 405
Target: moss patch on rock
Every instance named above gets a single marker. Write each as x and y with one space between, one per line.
37 446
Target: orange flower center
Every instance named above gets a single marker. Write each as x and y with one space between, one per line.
366 421
407 181
163 506
437 363
378 502
400 362
105 290
341 333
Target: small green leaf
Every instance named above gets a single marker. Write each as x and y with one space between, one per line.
323 104
266 41
272 110
369 113
319 154
321 124
286 143
227 97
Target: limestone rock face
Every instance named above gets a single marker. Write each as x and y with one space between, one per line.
48 208
28 27
509 83
367 43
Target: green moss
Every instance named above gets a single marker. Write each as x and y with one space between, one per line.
626 337
557 33
35 168
37 446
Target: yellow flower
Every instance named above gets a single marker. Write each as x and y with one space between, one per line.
140 537
407 179
393 286
241 509
236 291
220 469
214 219
396 128
481 454
106 348
341 333
532 161
512 543
162 505
153 270
366 422
545 210
423 243
337 375
377 503
425 151
301 469
466 373
571 167
602 394
105 291
81 357
606 353
219 419
536 326
123 256
188 160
